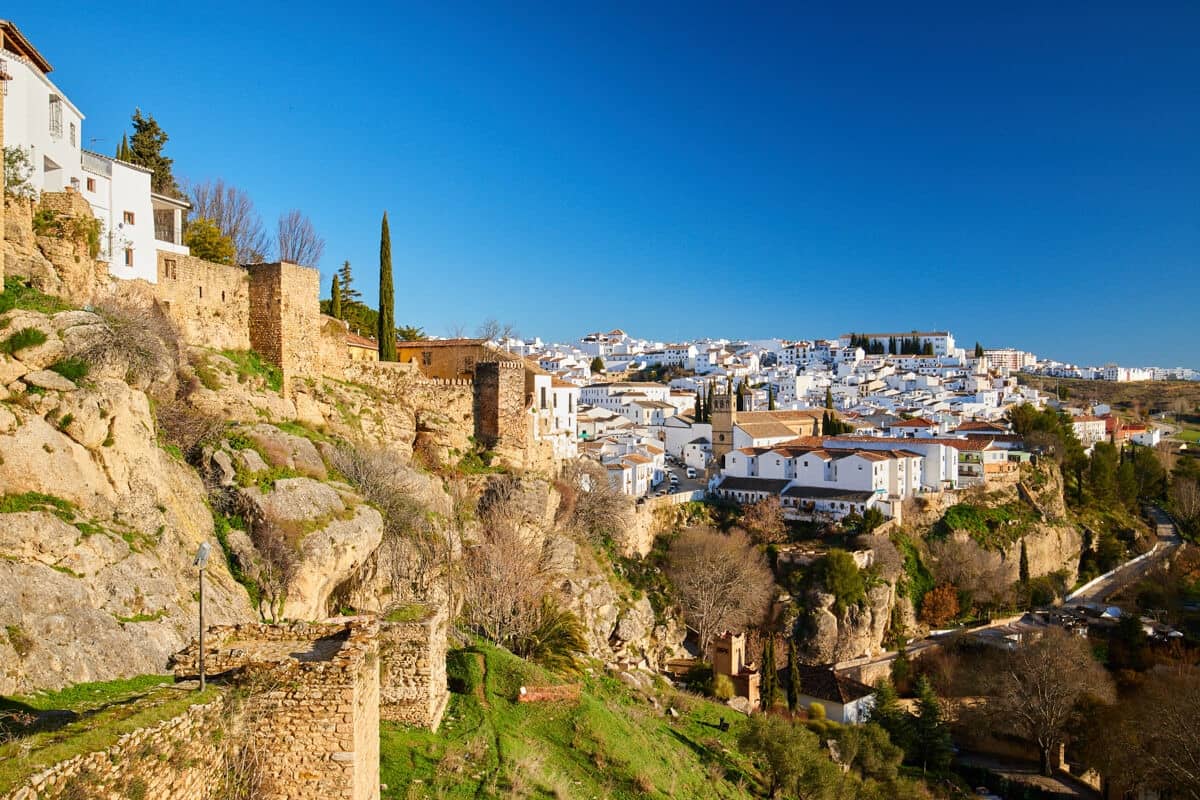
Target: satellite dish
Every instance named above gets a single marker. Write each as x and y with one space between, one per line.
202 555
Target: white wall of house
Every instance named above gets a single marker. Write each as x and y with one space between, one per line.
40 119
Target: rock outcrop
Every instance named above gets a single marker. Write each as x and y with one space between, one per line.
851 632
96 579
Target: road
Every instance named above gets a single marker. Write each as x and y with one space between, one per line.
1168 540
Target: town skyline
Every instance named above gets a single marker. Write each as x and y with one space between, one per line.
749 180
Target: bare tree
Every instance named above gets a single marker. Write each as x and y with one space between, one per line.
764 521
1038 690
138 340
1152 741
233 211
721 581
979 573
591 506
299 241
280 561
1185 500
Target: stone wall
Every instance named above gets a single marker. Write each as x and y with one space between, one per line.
312 704
449 358
285 319
176 759
208 302
412 656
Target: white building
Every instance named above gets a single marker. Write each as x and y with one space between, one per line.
39 119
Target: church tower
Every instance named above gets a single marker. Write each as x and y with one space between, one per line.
724 417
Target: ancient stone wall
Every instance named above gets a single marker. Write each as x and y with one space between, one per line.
181 758
285 319
412 657
208 302
455 358
312 704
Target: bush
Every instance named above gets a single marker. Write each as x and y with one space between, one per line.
842 578
722 687
137 338
18 168
557 642
26 337
940 605
73 369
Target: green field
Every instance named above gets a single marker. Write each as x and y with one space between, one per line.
610 743
1188 435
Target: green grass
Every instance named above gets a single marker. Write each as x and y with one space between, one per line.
100 713
18 295
1188 435
409 612
36 501
298 429
22 339
992 527
610 743
250 364
155 617
73 369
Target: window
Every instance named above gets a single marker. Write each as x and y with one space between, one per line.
129 256
91 184
72 134
55 116
128 217
169 268
201 291
427 358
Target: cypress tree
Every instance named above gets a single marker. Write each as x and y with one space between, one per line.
794 687
829 397
978 350
387 310
770 677
335 298
770 398
1024 564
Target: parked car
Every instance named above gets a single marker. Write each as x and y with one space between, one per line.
691 472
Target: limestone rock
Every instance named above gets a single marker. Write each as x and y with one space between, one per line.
46 379
287 450
328 557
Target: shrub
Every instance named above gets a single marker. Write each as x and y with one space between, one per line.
557 641
26 337
138 338
842 578
73 369
251 364
940 605
816 712
18 169
722 687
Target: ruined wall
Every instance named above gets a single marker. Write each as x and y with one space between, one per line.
208 302
313 703
412 657
285 318
177 759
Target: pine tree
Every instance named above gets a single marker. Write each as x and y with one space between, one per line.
829 397
887 714
931 739
794 687
335 298
597 365
387 309
146 150
770 677
1024 564
350 295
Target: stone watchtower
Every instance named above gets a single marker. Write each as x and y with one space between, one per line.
500 421
724 417
285 318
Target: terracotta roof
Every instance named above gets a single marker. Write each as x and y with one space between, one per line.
354 340
15 42
425 343
916 422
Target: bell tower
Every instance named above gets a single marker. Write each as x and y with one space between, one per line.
724 417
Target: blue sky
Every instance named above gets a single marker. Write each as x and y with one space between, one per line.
1020 176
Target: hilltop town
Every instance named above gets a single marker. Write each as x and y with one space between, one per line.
249 549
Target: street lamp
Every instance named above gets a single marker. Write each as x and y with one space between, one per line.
201 561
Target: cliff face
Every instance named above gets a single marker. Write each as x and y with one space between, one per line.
101 524
858 630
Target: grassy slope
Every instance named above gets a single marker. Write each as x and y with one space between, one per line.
97 715
611 743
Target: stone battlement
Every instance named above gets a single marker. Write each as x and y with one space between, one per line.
413 687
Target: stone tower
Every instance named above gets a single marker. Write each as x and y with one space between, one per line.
500 421
4 78
724 417
285 318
